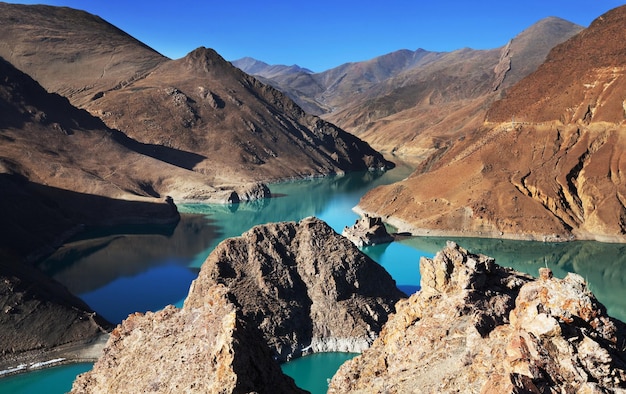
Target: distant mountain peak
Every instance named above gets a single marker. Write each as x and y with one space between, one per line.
253 66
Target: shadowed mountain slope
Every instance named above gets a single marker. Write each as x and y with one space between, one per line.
200 104
64 168
556 172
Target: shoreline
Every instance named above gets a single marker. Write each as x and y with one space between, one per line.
72 353
405 228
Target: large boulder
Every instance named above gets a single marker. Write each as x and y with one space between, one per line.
479 328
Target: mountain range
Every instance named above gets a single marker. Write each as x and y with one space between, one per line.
410 102
523 141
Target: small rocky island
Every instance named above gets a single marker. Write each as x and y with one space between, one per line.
367 231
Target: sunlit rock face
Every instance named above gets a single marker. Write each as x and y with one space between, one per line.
477 327
306 287
208 348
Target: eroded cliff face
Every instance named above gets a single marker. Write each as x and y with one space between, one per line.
209 348
477 327
306 287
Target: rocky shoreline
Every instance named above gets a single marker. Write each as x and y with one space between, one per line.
404 227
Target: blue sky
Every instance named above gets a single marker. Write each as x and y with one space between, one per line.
321 34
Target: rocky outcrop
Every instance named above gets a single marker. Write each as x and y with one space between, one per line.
306 287
480 328
205 348
367 231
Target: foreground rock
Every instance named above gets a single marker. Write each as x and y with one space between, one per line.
477 327
367 231
287 285
306 287
208 348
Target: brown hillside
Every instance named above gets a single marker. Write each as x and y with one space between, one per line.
544 181
245 129
71 52
581 79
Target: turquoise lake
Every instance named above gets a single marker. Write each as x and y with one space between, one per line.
121 270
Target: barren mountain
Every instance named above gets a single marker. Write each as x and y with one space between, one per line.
552 170
72 52
415 102
245 130
241 129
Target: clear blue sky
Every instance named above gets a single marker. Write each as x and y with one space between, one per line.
321 34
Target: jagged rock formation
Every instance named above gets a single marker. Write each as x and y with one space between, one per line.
367 231
553 169
306 287
205 348
476 327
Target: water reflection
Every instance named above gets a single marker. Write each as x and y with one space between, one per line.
121 270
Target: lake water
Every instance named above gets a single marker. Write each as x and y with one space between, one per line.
137 268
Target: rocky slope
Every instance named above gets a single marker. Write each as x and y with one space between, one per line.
306 287
477 327
40 319
556 173
208 348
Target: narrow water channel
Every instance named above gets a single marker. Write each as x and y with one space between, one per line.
138 268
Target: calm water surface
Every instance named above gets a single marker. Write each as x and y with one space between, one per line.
137 268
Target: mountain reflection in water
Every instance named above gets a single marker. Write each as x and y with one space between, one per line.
124 269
